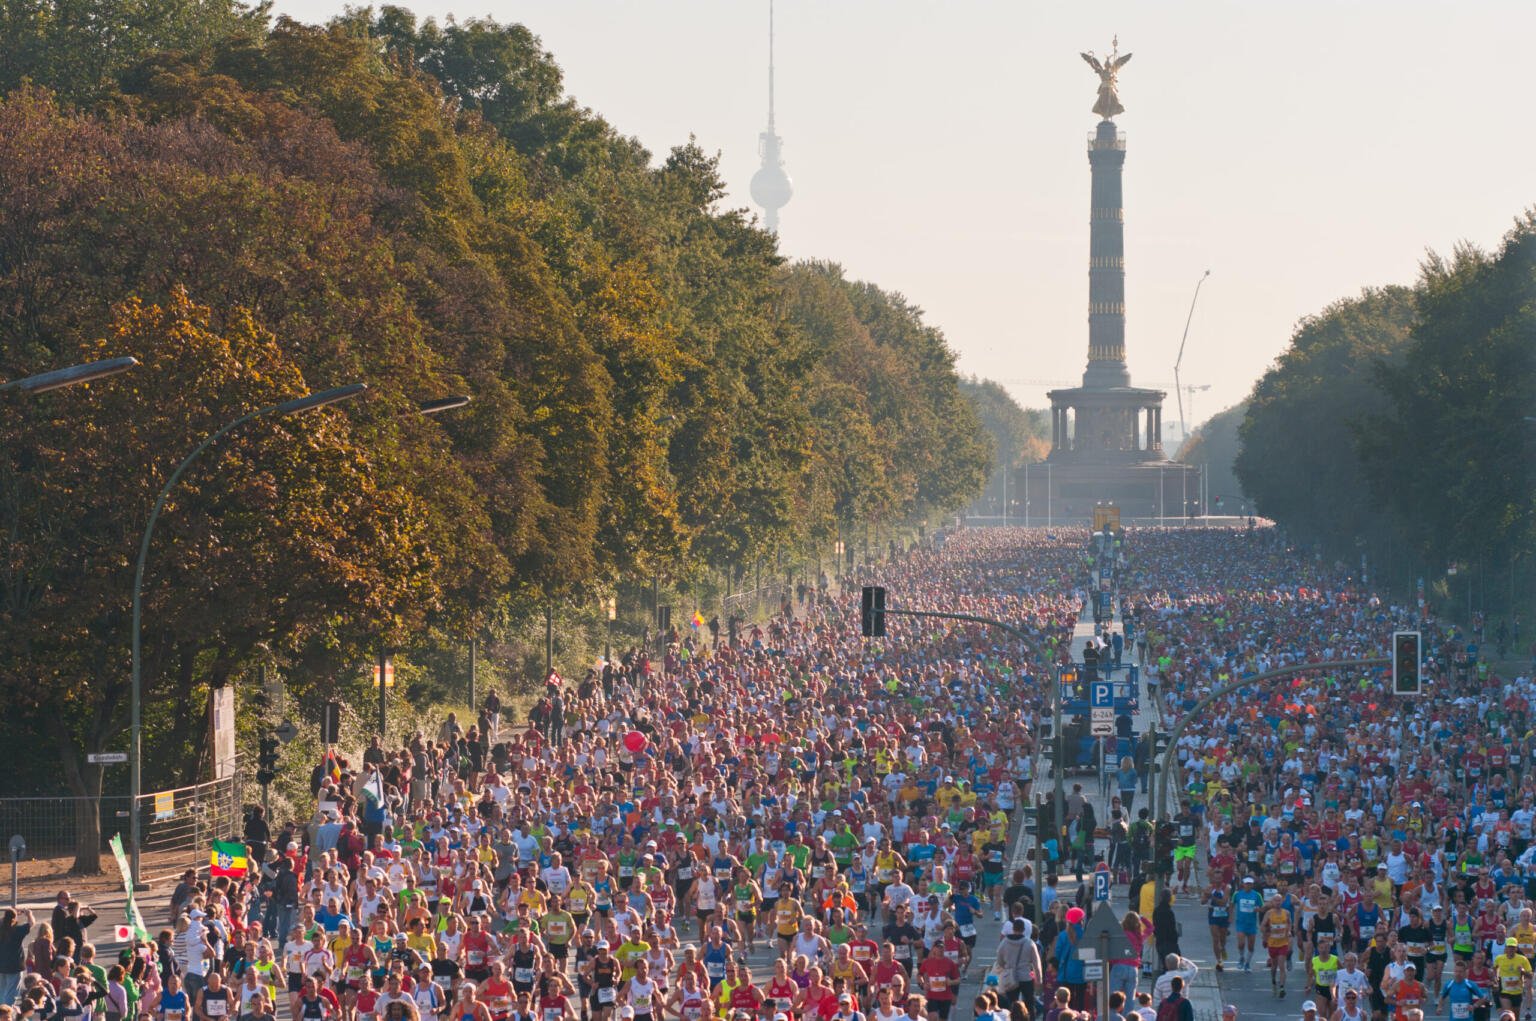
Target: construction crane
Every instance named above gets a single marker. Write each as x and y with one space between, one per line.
1178 390
1190 389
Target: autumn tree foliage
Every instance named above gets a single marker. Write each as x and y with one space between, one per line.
257 210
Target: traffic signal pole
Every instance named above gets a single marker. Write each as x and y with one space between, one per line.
875 611
1161 802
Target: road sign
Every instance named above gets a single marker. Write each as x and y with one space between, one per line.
107 758
286 731
1101 696
1101 886
1104 932
1093 971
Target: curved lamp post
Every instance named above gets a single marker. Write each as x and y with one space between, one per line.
135 758
59 378
440 404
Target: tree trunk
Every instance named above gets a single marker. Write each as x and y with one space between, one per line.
86 785
178 751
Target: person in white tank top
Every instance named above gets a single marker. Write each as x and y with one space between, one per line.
1349 1008
886 1009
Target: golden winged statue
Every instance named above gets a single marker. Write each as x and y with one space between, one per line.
1108 103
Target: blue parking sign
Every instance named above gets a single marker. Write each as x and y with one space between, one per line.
1101 886
1103 695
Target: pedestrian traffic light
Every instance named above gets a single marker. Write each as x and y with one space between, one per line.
1407 654
873 616
266 760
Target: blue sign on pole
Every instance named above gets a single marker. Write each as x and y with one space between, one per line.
1103 695
1101 886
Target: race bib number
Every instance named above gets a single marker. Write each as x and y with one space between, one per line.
605 995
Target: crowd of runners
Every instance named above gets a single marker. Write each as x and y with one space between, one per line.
1378 848
806 824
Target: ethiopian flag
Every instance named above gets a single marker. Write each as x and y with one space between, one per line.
228 859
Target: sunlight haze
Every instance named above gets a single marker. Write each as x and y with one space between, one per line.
1299 151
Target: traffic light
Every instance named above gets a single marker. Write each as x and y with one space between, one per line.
266 760
872 618
1407 654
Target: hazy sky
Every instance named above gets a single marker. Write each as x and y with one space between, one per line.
1299 150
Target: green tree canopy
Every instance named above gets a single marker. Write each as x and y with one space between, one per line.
1299 460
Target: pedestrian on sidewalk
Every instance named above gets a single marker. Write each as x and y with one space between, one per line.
1124 971
1017 965
1176 969
13 934
1119 845
1165 926
1176 1006
1126 779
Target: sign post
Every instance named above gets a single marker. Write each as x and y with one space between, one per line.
1103 708
18 848
1104 932
107 758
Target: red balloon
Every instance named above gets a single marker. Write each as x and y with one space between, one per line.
635 742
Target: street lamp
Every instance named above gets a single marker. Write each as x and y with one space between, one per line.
440 404
59 378
309 402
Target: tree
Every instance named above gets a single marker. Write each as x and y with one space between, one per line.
284 534
257 210
1215 445
1298 459
1019 437
1450 451
79 47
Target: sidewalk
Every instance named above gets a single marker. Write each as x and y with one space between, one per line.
1204 990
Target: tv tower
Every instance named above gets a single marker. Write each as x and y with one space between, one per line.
771 186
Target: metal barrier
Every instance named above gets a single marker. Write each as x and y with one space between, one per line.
755 604
186 818
191 816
